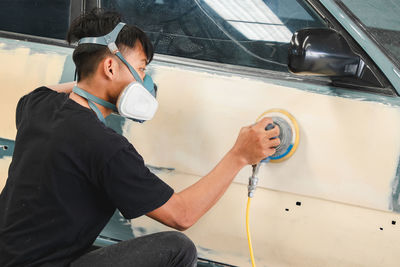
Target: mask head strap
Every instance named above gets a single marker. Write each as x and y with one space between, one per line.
109 41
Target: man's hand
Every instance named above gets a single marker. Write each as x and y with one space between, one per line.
254 143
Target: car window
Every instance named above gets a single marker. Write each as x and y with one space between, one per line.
253 33
385 25
35 17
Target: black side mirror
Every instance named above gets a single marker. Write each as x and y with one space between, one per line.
322 52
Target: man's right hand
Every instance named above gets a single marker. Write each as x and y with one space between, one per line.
254 143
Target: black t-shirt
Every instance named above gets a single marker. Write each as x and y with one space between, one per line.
68 174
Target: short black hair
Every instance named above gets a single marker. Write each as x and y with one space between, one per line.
99 22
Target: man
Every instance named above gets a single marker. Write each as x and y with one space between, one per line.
70 172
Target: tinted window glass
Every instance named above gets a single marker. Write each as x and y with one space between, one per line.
385 25
35 17
252 33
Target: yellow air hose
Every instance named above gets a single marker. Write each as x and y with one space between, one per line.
248 233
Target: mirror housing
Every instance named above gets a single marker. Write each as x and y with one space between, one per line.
323 52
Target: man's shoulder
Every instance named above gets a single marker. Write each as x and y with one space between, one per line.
40 94
41 91
34 99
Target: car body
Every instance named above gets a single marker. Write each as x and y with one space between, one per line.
218 66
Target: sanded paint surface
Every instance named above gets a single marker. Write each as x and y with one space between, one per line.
6 151
342 154
4 164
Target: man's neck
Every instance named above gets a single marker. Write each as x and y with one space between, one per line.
90 88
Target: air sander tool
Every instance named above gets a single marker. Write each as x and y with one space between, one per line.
289 141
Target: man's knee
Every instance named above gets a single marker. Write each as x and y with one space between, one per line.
184 249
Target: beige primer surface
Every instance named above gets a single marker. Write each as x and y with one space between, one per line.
4 164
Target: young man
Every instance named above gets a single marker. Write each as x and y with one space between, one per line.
70 172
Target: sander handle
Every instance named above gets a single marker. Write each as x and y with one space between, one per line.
270 126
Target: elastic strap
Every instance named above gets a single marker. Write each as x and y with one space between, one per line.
91 98
105 39
134 73
97 111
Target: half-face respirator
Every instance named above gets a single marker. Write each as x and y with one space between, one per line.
137 101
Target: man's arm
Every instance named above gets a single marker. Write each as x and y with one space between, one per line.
183 209
63 87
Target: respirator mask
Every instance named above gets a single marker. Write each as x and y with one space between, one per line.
137 101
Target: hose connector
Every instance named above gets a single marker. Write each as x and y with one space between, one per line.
253 180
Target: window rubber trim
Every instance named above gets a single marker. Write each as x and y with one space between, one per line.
34 39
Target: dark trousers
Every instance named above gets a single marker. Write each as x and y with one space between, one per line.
160 249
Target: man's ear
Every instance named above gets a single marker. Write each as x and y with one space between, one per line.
110 67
